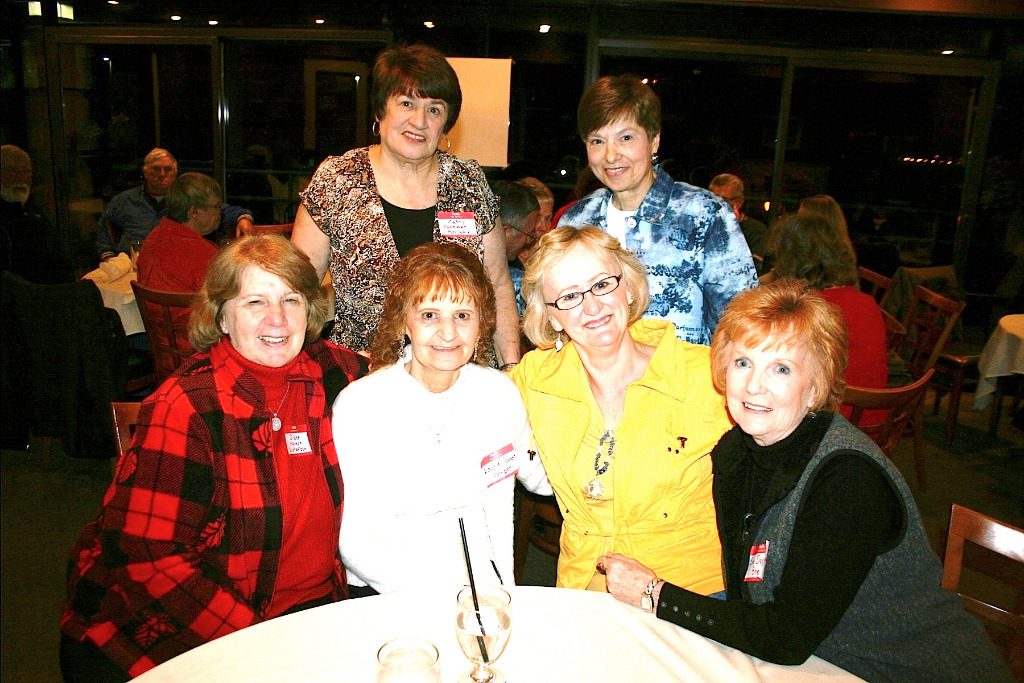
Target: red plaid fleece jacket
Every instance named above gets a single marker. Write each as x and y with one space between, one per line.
187 545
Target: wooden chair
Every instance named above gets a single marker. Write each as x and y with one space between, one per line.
875 284
902 403
126 418
929 322
967 525
895 333
538 521
952 369
165 317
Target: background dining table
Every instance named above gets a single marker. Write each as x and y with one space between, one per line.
114 280
1003 356
557 635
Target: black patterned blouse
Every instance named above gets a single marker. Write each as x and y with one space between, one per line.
342 199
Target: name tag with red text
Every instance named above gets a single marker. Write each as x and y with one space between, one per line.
499 465
297 440
758 559
457 223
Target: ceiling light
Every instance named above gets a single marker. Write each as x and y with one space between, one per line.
113 2
947 52
318 21
428 24
544 28
213 22
175 17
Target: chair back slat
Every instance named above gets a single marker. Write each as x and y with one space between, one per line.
875 284
126 418
929 321
165 317
901 404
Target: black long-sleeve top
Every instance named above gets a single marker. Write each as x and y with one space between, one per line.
851 514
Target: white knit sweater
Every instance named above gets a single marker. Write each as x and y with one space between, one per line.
412 461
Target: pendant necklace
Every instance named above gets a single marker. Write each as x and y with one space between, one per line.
275 421
594 488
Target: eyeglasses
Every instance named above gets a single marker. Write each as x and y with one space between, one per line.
605 285
529 236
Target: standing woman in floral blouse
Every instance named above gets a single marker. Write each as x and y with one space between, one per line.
226 510
364 210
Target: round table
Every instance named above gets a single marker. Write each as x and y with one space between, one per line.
1003 356
557 635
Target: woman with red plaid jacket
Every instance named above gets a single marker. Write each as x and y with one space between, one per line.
226 510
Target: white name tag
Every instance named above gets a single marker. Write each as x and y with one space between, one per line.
499 465
758 559
457 223
297 440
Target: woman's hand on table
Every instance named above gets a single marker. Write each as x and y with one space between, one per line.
626 578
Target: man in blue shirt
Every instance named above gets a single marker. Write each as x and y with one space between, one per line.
135 212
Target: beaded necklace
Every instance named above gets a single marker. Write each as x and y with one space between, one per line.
594 488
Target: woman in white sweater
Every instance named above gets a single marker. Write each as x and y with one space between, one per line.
432 435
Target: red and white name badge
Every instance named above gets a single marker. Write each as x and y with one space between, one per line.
758 559
296 438
457 223
499 465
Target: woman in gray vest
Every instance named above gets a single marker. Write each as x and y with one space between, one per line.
823 548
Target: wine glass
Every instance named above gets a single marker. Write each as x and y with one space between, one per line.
483 630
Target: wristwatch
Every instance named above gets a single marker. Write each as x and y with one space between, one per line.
647 599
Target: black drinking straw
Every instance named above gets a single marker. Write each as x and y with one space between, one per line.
472 588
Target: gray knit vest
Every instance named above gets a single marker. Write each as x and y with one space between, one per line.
901 626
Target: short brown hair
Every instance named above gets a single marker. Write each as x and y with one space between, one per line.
617 98
438 269
188 190
807 247
272 253
551 249
415 71
787 311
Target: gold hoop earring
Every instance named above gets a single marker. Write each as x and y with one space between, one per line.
375 128
445 150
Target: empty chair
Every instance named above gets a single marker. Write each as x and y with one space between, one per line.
967 525
165 316
901 403
538 521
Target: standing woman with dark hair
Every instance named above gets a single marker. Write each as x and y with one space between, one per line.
688 239
364 210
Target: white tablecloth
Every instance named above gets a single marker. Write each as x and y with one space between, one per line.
557 635
1003 355
118 295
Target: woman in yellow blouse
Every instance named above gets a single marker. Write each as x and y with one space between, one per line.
624 415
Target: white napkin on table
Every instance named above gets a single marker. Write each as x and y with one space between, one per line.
116 267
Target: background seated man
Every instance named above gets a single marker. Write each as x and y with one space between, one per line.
28 243
730 188
519 212
135 212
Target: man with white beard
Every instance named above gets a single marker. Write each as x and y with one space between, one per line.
28 244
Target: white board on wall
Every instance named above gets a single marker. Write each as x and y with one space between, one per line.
481 132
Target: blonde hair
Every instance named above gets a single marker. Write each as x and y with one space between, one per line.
789 312
551 249
272 253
